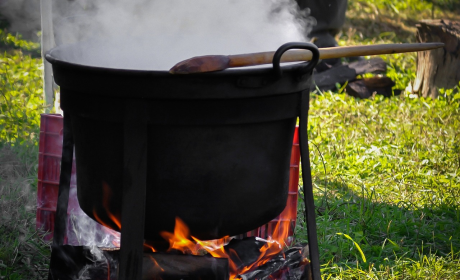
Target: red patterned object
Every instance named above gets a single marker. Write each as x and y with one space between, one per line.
289 215
50 152
49 167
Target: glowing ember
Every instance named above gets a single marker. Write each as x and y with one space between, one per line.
180 240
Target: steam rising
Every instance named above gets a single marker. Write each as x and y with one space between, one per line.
157 34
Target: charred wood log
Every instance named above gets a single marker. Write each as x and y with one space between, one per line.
374 65
365 88
290 265
158 266
327 80
244 252
438 68
78 262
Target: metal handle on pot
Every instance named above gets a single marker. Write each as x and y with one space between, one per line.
296 45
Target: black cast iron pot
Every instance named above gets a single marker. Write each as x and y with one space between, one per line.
219 143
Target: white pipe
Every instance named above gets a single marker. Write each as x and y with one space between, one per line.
47 44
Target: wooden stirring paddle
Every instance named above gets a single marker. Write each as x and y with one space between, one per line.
210 63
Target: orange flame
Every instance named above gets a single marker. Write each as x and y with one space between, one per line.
181 240
106 194
150 247
156 265
270 249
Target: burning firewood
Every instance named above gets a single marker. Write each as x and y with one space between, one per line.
79 262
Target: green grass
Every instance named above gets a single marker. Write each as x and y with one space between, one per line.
385 170
394 21
23 254
20 92
386 173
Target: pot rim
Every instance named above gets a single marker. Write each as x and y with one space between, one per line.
75 78
252 70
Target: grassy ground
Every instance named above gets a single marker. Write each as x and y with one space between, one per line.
385 170
375 20
386 174
23 254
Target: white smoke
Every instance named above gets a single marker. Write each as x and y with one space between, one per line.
84 231
157 34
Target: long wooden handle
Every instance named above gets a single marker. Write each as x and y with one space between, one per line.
211 63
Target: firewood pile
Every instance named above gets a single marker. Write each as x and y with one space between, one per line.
356 85
83 262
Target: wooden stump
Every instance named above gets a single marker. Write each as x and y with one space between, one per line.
438 68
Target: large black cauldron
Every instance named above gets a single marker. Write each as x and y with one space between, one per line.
218 143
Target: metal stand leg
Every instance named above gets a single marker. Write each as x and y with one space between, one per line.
60 219
308 186
134 189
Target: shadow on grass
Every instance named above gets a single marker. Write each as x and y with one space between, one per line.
403 30
453 5
384 230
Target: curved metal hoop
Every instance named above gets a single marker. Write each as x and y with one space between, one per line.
296 45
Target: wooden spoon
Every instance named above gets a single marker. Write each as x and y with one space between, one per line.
210 63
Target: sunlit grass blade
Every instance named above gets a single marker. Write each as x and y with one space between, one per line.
363 257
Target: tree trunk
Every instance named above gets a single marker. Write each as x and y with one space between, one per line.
438 68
